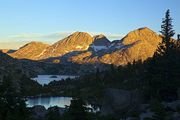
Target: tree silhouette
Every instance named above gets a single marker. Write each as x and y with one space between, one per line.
167 32
77 110
178 37
163 68
12 104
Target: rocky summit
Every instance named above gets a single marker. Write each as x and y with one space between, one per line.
82 48
31 51
78 41
137 45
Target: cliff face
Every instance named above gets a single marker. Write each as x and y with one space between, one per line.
81 48
101 40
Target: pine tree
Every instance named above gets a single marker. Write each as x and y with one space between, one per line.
77 110
167 32
12 104
163 68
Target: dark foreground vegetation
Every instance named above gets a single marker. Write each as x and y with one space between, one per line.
156 79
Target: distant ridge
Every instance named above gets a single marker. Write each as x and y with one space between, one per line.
77 41
30 51
139 44
7 50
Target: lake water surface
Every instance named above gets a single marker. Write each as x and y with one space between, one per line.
46 79
49 101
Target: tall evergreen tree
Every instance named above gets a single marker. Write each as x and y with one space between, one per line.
163 68
167 32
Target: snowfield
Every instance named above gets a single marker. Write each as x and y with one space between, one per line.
97 48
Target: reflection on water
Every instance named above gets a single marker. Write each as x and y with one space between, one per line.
49 101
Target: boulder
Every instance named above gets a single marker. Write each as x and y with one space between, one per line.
176 116
118 101
57 109
38 112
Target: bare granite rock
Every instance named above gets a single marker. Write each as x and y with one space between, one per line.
117 101
38 112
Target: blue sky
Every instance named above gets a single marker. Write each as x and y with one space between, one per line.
22 21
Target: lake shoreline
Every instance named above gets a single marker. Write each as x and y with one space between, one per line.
44 96
46 79
49 101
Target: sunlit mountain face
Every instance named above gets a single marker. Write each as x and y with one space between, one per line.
89 60
82 48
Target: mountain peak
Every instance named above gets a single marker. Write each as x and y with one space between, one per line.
77 41
144 28
136 45
34 43
77 38
101 40
30 50
144 34
79 33
100 36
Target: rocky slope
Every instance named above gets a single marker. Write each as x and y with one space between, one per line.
81 48
78 41
31 51
100 43
137 45
7 65
7 50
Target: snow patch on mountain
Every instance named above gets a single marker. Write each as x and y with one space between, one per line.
98 48
41 53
